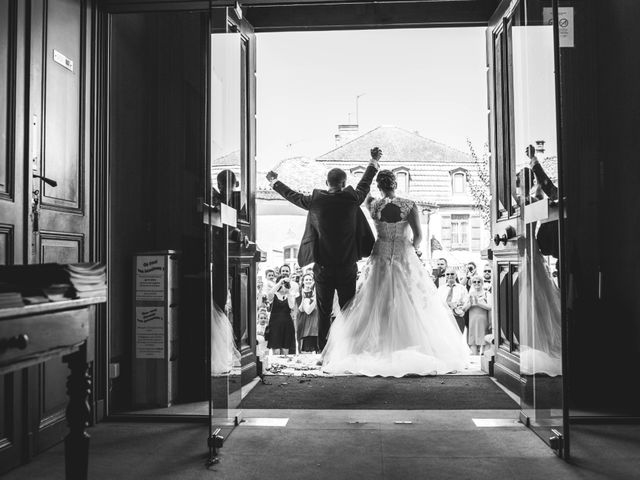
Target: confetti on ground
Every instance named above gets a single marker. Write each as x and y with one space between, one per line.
306 365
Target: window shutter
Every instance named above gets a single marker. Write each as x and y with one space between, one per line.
446 232
476 233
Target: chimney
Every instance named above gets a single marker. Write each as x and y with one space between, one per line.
346 133
539 147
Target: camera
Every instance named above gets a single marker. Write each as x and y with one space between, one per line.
308 294
286 284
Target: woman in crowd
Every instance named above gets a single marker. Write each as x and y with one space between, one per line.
280 334
307 320
478 306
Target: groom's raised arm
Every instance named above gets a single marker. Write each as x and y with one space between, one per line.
297 198
364 185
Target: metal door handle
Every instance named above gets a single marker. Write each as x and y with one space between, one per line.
48 181
497 239
509 233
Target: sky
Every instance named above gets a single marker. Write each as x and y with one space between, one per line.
432 81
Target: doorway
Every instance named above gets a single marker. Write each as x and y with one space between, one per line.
420 95
270 19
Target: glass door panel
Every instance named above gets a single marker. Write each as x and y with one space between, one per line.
535 160
159 299
225 202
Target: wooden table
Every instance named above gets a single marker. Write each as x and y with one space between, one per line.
36 333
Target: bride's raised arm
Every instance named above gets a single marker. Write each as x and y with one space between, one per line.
416 228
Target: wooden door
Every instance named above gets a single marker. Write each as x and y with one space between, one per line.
59 142
245 270
505 212
13 208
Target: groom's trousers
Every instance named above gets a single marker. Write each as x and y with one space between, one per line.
331 279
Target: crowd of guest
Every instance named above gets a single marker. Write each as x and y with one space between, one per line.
287 313
468 295
288 318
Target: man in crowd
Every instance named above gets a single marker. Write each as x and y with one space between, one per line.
486 276
438 274
455 295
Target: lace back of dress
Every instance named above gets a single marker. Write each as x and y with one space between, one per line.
391 210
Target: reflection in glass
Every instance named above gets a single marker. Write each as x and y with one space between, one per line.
535 164
534 113
226 178
225 357
541 349
226 116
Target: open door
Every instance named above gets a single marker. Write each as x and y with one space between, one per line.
528 214
231 217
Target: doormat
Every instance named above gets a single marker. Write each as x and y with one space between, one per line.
377 393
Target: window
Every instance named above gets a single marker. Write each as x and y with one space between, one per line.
290 254
357 172
460 232
459 183
402 178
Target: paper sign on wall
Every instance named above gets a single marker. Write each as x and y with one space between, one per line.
150 274
150 332
565 23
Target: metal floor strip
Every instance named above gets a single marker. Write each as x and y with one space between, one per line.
497 422
264 422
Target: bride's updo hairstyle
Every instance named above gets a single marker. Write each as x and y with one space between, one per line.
386 181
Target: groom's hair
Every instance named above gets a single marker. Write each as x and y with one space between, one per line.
336 177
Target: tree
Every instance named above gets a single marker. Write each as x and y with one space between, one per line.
480 184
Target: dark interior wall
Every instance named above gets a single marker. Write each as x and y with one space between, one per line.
619 116
157 156
578 87
601 109
130 116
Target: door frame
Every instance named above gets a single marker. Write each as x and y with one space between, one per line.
265 15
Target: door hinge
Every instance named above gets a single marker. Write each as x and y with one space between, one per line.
556 442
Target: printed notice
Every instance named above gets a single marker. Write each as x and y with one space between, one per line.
150 278
149 332
565 24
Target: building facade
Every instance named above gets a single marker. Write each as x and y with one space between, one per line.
437 177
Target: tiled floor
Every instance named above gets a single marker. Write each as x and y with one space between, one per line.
349 444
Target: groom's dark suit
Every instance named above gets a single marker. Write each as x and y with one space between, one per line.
336 236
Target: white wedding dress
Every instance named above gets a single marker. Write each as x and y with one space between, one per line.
225 357
396 324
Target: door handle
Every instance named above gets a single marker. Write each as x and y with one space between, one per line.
497 239
508 234
47 180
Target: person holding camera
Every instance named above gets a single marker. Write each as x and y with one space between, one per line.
307 320
471 272
280 333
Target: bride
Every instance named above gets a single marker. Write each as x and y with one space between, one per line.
396 324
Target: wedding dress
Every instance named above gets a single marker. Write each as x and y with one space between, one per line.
396 324
225 357
539 298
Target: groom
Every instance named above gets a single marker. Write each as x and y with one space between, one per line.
336 236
